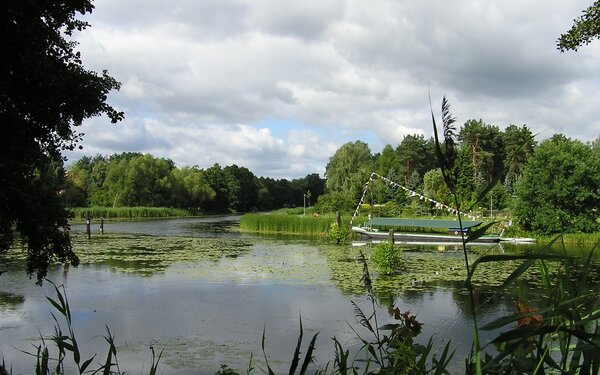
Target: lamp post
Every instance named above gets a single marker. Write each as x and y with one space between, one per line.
304 195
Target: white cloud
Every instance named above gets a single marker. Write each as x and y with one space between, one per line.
199 77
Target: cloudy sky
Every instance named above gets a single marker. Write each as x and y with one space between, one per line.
277 86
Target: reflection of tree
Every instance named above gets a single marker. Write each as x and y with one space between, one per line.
10 301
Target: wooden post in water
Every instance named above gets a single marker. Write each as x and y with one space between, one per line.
88 225
338 219
391 238
101 225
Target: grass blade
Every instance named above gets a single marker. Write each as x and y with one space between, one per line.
309 354
270 371
296 358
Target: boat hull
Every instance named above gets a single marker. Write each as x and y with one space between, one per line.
419 238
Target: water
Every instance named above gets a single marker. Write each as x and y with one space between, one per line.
203 292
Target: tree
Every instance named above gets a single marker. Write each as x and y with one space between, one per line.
435 187
226 188
188 189
45 93
414 154
314 184
518 147
585 29
247 196
349 168
560 188
486 148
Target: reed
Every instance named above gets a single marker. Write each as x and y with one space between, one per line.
79 213
286 224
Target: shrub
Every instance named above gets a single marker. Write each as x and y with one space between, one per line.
337 233
387 258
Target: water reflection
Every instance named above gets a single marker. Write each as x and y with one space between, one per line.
211 227
10 301
204 293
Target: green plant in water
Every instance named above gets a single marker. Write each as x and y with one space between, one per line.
387 257
338 233
392 348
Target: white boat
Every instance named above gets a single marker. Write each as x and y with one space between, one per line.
411 231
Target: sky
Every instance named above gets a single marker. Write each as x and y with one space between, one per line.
278 86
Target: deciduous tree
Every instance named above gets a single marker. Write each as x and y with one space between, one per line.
45 94
349 168
560 188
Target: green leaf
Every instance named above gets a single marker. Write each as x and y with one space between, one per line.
86 364
390 326
296 358
474 235
309 354
265 353
56 305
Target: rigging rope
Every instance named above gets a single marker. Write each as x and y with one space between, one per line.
412 193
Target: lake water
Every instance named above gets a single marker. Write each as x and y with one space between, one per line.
204 292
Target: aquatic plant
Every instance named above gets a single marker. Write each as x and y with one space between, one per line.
317 226
387 257
338 233
96 213
391 349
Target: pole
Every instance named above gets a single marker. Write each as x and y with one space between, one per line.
87 225
304 195
338 219
101 225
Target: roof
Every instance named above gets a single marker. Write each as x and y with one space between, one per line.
420 223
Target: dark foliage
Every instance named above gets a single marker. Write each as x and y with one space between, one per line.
45 93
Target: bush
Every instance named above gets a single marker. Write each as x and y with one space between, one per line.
337 233
387 258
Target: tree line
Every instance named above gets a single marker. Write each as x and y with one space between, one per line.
549 187
136 179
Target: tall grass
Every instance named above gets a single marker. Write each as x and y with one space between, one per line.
287 224
79 213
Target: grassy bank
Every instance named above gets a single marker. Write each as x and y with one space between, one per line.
79 213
